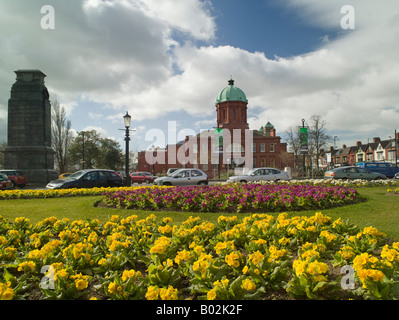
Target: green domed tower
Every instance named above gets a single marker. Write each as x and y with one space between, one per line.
231 108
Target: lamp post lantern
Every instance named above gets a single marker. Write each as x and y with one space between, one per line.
127 119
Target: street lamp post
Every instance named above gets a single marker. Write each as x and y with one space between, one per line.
127 119
153 162
83 150
396 149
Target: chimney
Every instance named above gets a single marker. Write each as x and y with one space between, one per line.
331 148
376 139
358 143
344 146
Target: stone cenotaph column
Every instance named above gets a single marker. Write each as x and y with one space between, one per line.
29 129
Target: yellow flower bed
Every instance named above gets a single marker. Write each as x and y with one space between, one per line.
256 257
56 193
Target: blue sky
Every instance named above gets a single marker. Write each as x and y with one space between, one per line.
167 61
264 26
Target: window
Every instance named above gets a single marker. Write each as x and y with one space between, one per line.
234 114
235 147
91 176
272 147
254 162
183 174
102 176
272 162
253 147
205 167
196 173
350 170
263 162
262 147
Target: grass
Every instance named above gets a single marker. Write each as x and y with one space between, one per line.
380 211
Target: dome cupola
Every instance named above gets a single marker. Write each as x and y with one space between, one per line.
231 93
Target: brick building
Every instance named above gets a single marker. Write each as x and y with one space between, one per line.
377 150
230 146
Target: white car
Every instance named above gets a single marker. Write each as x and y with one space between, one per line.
261 174
183 177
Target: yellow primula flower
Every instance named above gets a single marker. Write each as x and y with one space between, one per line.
27 266
211 295
6 293
248 285
220 246
168 294
112 287
233 259
183 255
256 258
81 284
160 245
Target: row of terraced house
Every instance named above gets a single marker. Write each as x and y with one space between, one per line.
377 150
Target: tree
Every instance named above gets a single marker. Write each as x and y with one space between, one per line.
95 151
294 143
318 137
61 136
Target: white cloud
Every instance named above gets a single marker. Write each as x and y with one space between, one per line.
123 55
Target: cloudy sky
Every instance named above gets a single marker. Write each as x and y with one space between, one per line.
165 61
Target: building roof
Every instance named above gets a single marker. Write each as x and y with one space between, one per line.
231 93
269 125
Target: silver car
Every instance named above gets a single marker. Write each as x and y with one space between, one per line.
353 173
261 174
183 177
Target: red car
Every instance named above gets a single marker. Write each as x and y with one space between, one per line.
16 177
141 177
5 182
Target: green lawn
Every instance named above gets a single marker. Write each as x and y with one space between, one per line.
380 211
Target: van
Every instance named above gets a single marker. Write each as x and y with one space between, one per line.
386 168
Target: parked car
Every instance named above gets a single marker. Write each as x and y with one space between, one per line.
261 174
352 173
388 169
17 178
5 182
89 178
183 177
141 177
171 170
396 176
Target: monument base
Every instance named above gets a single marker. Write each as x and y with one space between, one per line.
32 162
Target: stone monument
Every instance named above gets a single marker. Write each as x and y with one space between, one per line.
29 129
